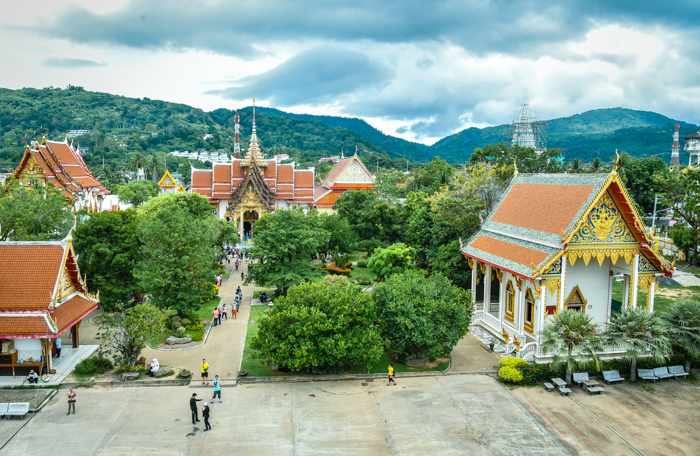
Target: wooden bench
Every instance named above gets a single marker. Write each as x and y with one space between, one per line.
17 409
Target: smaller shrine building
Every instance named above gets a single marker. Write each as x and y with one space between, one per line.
555 242
42 297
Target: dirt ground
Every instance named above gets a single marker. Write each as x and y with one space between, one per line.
656 419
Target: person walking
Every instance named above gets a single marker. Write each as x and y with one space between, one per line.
205 414
205 371
242 275
224 312
236 263
193 407
216 315
217 388
71 400
391 376
58 344
234 309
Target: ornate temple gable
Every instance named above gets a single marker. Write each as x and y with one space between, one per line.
167 181
554 268
30 170
604 224
647 265
576 300
69 280
354 173
253 190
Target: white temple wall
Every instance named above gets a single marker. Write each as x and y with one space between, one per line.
28 348
594 283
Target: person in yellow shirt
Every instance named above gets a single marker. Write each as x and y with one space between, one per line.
205 371
391 375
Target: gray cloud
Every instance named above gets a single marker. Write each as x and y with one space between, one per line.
314 76
524 27
65 62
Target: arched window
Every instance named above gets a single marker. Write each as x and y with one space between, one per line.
510 302
529 311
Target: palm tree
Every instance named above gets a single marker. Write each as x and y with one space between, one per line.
574 337
597 165
644 332
139 160
683 326
154 165
576 165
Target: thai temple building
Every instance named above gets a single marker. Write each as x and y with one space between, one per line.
248 188
555 242
61 165
42 297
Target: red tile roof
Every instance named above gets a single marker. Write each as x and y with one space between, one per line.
202 178
513 252
28 275
24 325
70 311
285 174
222 173
303 179
237 170
542 207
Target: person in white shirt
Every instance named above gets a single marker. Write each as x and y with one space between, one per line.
58 347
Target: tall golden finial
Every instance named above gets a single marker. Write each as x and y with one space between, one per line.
25 140
617 162
515 165
36 141
43 138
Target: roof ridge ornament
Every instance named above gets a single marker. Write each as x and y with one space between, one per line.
515 165
617 162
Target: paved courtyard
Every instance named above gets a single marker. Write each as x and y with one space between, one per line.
459 414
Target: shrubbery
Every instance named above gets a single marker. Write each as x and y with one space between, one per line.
512 361
93 365
362 264
510 374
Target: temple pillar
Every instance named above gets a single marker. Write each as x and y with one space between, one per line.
635 281
240 226
75 335
652 289
475 274
541 309
626 291
562 284
487 288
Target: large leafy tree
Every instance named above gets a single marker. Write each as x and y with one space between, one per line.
682 193
450 262
645 178
285 242
376 223
108 249
137 192
341 239
320 328
642 332
125 334
431 177
574 339
421 316
175 269
394 259
683 327
33 213
194 204
418 224
528 161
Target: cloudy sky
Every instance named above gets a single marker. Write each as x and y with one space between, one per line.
416 69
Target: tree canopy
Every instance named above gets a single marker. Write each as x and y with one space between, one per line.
137 192
33 213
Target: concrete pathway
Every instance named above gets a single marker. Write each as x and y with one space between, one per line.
453 415
473 356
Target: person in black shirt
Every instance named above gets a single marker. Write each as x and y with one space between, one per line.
205 414
193 407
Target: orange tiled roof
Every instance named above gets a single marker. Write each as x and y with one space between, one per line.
542 207
336 171
285 174
202 178
512 252
28 275
222 173
70 311
303 178
25 325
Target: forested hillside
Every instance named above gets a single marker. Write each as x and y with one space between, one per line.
122 126
596 133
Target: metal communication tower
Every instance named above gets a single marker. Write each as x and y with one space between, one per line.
526 130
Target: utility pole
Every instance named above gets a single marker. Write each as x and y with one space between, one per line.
653 215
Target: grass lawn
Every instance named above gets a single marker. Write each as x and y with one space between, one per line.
663 296
355 256
227 275
362 273
256 368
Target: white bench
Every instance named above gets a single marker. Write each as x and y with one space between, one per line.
677 371
3 409
17 409
662 372
594 390
647 374
548 386
612 376
564 391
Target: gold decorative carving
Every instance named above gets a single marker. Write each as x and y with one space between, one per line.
537 291
645 283
471 262
482 266
516 342
355 174
519 283
553 286
505 335
499 273
601 254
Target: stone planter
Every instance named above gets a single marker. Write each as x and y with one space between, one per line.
172 340
242 373
185 374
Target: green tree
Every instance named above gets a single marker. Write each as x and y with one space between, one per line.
644 333
320 328
597 166
574 339
450 262
645 178
431 177
682 237
108 249
125 334
194 204
682 193
391 184
683 326
528 161
394 259
137 192
341 240
285 242
421 316
139 160
576 166
418 228
175 269
33 213
376 223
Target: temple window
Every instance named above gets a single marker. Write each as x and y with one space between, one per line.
510 302
529 311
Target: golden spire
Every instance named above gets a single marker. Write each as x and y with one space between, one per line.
25 140
617 162
254 153
515 165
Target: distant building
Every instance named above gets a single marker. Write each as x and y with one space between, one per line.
83 150
333 160
692 146
74 133
280 158
526 131
675 156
